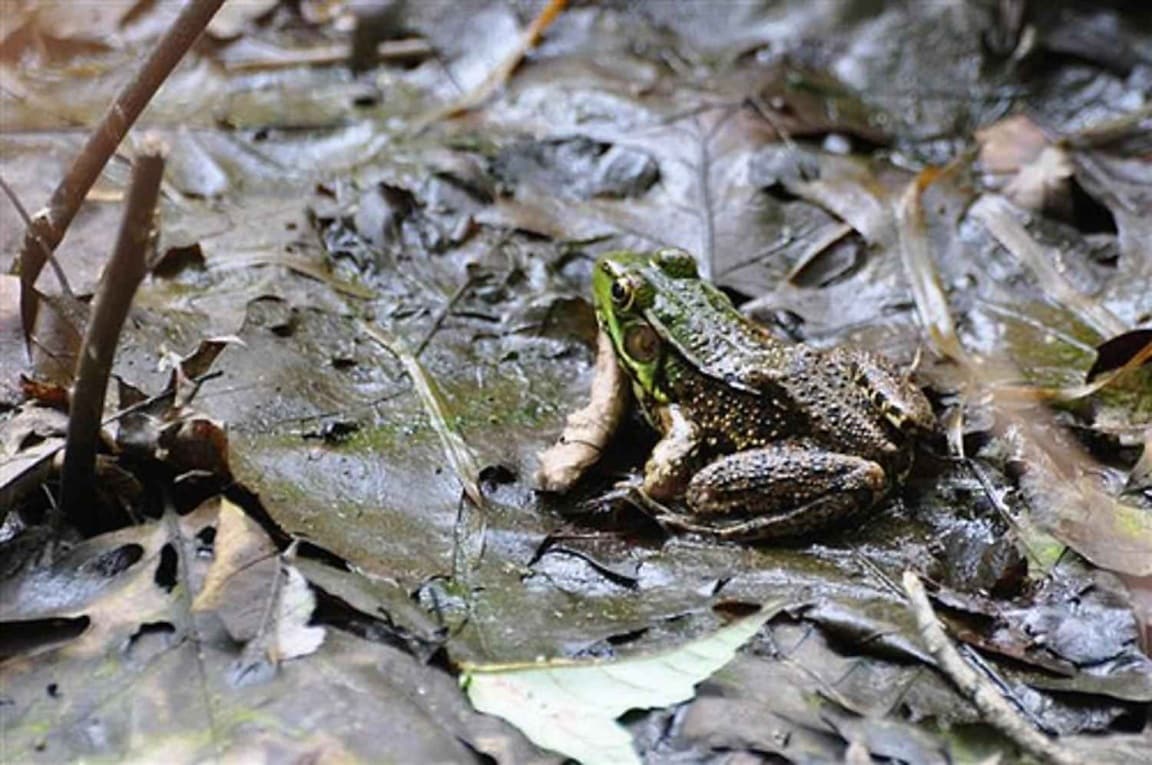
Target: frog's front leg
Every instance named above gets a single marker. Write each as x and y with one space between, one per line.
782 490
674 458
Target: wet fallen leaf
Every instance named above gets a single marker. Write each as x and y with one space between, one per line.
1067 503
915 254
635 124
459 454
843 186
500 73
13 356
996 214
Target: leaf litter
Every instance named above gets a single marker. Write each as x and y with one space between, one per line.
816 166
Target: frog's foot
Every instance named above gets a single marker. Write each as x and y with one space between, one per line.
633 492
782 490
823 513
624 490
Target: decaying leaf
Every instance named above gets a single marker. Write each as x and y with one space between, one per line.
262 600
243 577
1070 506
105 658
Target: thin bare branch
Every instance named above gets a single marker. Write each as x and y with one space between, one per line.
982 693
123 274
49 225
45 250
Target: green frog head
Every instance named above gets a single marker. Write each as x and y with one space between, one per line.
635 294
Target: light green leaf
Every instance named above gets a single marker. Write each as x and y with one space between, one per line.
571 707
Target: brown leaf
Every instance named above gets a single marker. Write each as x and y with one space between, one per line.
243 577
1067 504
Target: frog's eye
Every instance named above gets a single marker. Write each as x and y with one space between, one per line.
642 344
622 293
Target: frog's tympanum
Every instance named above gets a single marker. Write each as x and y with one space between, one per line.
759 438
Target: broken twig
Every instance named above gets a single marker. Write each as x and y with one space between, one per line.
122 275
983 695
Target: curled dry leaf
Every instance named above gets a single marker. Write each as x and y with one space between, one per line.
1068 504
198 444
587 431
29 440
293 636
1020 160
231 20
1045 184
1009 144
26 472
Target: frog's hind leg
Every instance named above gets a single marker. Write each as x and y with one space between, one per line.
782 490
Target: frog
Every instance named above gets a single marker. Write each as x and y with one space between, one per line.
759 438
